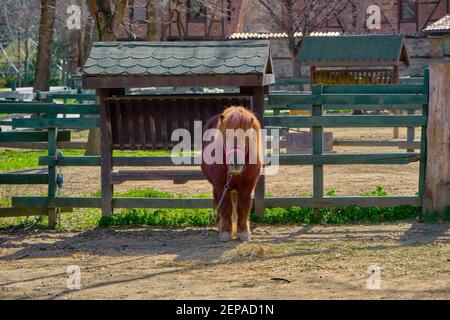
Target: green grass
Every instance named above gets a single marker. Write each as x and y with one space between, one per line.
11 160
181 218
273 216
14 160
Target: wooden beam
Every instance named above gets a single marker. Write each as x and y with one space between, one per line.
29 178
383 100
40 136
344 121
344 202
106 153
175 203
178 176
78 145
258 109
48 108
52 176
371 143
63 123
172 81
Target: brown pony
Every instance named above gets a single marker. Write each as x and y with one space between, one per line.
239 170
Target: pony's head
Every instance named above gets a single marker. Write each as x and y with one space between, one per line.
240 131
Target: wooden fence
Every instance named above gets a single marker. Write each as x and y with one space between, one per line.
321 99
351 97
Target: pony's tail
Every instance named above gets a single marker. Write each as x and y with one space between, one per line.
234 213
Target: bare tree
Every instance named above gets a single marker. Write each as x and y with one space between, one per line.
108 17
42 77
19 24
301 16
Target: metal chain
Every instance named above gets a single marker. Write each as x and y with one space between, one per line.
219 205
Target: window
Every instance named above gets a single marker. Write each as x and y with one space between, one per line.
196 11
408 10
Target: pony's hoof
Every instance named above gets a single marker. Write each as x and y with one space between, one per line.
225 237
244 236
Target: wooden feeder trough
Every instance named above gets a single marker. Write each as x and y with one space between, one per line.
368 59
146 122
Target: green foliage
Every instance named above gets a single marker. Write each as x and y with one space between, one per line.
273 216
178 218
11 160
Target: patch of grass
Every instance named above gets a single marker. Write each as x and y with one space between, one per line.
181 218
174 218
273 216
13 160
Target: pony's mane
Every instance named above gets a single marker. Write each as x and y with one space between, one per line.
237 117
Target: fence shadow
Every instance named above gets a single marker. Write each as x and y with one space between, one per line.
195 244
416 234
186 244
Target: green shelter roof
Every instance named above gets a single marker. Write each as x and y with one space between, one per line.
354 50
178 58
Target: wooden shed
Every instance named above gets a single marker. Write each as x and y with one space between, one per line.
355 59
142 122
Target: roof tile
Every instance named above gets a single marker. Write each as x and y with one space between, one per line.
178 58
358 49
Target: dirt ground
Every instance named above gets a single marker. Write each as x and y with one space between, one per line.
280 263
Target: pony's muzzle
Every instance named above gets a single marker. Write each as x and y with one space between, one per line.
235 161
236 168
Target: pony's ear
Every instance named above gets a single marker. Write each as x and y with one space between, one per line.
221 118
253 120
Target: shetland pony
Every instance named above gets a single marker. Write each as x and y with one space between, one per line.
241 167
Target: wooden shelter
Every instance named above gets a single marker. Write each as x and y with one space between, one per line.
368 59
146 122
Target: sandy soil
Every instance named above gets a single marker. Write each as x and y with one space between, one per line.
281 263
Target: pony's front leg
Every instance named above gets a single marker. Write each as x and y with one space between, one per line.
225 223
244 206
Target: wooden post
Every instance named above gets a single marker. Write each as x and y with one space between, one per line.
423 137
396 79
258 109
52 149
317 139
106 153
437 188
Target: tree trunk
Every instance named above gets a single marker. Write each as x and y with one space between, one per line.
107 22
43 64
152 32
75 49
